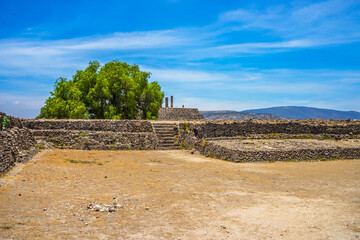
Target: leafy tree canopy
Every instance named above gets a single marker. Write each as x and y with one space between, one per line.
115 91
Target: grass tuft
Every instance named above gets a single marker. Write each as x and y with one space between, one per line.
6 227
81 161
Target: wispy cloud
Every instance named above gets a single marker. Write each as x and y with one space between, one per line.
332 18
277 83
244 49
115 41
183 75
47 57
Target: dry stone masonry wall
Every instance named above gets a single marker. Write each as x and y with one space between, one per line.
89 125
216 129
93 134
17 144
214 149
187 114
203 136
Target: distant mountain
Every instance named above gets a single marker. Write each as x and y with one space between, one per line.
293 112
233 115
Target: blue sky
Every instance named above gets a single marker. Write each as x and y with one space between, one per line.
213 55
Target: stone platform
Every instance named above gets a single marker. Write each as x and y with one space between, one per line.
238 150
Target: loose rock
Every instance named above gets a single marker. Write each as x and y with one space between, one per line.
104 207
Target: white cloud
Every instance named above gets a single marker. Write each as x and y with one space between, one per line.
206 104
328 19
286 81
114 41
257 48
56 57
183 75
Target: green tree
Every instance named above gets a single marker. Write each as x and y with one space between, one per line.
115 91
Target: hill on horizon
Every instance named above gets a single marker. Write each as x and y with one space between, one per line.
301 112
234 115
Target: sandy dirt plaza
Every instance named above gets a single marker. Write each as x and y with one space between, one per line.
74 194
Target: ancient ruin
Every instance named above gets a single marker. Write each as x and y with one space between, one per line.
237 141
174 114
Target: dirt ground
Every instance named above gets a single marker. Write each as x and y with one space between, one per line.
176 195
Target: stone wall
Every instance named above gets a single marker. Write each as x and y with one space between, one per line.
216 129
214 150
93 134
16 144
186 114
89 125
197 135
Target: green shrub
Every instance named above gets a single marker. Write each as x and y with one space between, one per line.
6 227
326 136
5 122
186 127
81 161
40 146
183 144
309 136
274 135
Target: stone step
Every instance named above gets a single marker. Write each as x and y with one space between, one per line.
165 129
169 148
168 142
167 138
165 125
166 135
168 145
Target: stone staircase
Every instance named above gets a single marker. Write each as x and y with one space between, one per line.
167 134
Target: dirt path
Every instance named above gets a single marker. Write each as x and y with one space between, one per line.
176 195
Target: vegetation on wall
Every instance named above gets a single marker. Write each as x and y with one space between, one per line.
5 121
116 90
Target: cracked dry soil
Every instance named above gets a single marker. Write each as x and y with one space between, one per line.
176 195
